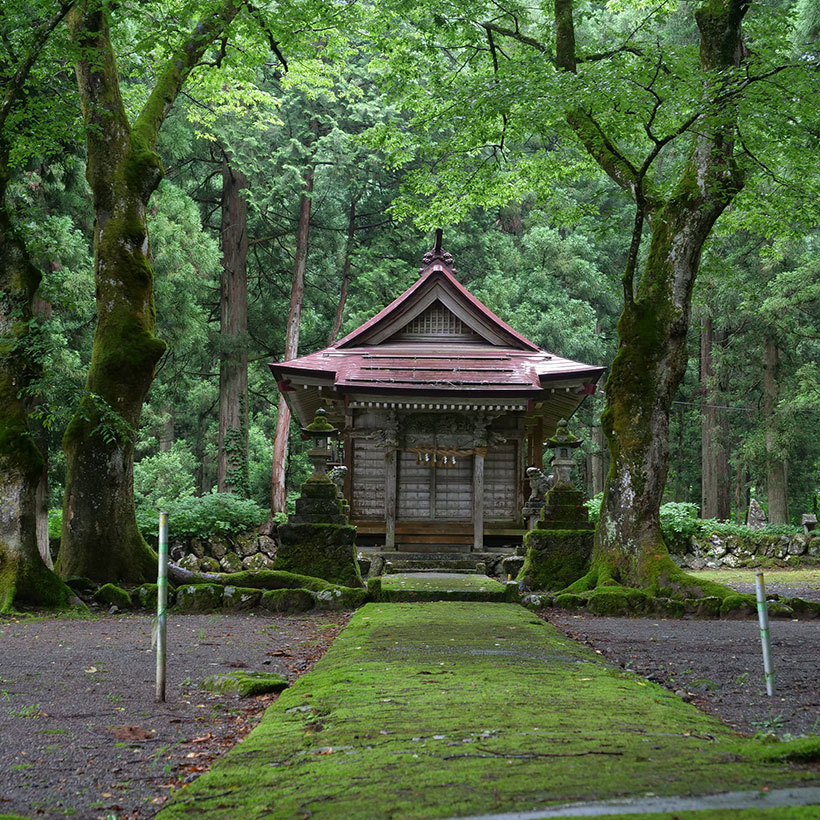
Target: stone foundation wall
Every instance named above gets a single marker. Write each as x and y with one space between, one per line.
716 551
235 553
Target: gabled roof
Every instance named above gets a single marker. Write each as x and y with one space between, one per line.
435 340
437 284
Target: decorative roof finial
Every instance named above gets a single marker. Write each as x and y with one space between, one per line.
437 253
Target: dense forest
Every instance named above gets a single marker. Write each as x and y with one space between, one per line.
191 190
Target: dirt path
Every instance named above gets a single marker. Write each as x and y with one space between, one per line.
80 733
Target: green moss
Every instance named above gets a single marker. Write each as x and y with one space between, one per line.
374 588
199 597
410 587
288 600
246 683
275 579
411 704
801 608
555 558
239 599
800 750
568 600
619 601
323 550
337 597
145 596
738 606
112 595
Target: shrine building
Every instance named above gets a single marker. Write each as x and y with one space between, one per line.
442 407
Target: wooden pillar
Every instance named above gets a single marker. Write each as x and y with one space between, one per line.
390 461
478 502
538 444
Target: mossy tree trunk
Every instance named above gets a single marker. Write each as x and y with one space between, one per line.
652 356
297 294
100 538
232 466
777 484
24 576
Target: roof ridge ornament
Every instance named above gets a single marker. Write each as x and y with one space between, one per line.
437 253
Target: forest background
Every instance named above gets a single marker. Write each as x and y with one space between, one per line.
305 166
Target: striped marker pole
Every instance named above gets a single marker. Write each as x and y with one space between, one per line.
162 605
763 615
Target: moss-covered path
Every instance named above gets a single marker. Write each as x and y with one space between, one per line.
434 710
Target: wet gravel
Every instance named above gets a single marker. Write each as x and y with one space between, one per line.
80 733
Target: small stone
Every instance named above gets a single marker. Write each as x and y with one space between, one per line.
266 545
190 562
231 562
114 610
218 547
256 562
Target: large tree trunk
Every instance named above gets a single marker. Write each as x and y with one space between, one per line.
340 307
777 484
100 538
715 482
24 576
297 293
232 467
651 360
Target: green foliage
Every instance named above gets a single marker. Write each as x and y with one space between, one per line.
205 516
164 478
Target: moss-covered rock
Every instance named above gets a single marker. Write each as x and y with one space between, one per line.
341 598
374 588
231 562
613 600
287 600
239 599
112 595
256 562
189 562
323 550
707 607
555 558
80 584
276 579
737 606
569 600
208 564
199 597
145 596
246 683
801 608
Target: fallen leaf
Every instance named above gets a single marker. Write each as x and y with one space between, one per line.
132 732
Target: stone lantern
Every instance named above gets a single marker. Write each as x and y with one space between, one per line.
564 444
320 430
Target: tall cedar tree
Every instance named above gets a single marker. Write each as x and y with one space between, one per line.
24 577
100 537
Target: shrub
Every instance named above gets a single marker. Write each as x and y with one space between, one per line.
164 478
206 516
55 523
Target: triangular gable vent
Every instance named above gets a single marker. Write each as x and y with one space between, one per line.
434 323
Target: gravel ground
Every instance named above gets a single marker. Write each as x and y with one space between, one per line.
80 733
717 665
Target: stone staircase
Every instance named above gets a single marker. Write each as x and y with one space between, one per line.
472 563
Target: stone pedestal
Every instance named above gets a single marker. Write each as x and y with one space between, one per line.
318 540
558 550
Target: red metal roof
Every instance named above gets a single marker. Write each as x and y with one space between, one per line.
498 362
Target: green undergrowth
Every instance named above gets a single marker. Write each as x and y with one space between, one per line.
406 587
445 709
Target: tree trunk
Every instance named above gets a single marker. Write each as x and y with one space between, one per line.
651 360
598 454
297 293
715 484
100 538
232 467
167 429
776 465
340 307
24 576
